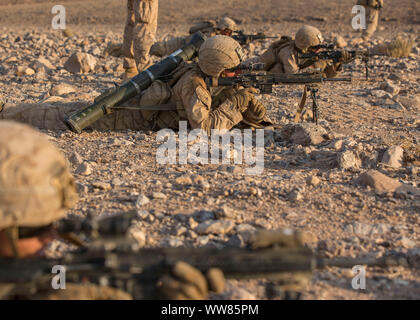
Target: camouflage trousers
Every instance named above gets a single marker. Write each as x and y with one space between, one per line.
139 33
51 116
372 19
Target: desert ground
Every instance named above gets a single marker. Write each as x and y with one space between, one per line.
314 186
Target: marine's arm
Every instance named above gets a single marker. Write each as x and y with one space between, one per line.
197 102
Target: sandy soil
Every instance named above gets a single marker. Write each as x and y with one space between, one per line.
339 216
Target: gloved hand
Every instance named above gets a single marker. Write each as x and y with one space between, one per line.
187 283
288 286
255 112
346 57
242 98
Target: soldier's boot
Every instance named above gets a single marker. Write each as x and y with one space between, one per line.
130 68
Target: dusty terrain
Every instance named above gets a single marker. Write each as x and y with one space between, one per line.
302 187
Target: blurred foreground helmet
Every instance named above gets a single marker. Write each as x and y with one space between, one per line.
226 23
36 187
308 36
219 53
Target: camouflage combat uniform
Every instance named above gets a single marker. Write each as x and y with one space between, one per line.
139 33
187 93
37 189
283 55
372 16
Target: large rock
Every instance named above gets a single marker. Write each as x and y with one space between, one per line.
393 157
42 64
216 227
348 160
61 89
390 88
24 71
80 63
340 42
383 184
411 103
304 134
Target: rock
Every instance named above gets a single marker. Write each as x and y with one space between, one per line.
348 160
80 63
255 192
378 181
246 231
42 63
62 89
67 33
53 99
203 240
304 134
142 200
393 157
238 294
24 71
313 181
143 214
11 59
361 229
180 231
102 185
414 258
236 241
137 235
225 212
184 180
158 195
117 182
337 145
405 243
390 88
75 159
411 103
295 195
204 215
119 68
215 227
381 94
340 42
172 242
84 169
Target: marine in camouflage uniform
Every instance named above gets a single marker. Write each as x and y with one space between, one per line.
187 95
372 16
225 26
36 189
283 55
139 35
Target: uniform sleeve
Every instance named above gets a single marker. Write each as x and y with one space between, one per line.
197 102
288 60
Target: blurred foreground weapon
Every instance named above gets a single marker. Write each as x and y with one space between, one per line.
126 266
117 96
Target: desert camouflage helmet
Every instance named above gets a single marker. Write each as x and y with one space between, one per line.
219 53
308 36
36 186
226 23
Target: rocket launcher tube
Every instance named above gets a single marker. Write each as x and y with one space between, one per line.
133 87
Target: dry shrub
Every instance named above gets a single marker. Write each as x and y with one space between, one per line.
400 47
